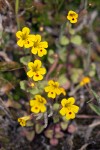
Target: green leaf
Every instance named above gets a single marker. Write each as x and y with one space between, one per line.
50 56
95 95
24 60
95 108
62 79
30 135
23 84
59 135
76 40
62 54
92 71
33 91
49 133
39 128
56 106
64 125
72 32
64 40
75 74
56 118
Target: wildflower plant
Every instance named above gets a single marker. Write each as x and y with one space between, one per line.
44 92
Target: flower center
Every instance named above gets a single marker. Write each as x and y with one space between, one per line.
40 100
35 69
36 43
70 113
24 36
67 105
72 15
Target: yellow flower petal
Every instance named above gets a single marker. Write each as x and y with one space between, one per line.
42 71
37 63
75 108
30 65
37 77
70 115
42 52
43 108
28 43
37 97
32 102
34 50
63 111
43 44
57 91
64 102
73 20
40 99
52 94
30 73
62 90
72 14
44 100
19 34
47 89
26 31
51 82
35 109
20 43
38 38
56 84
22 123
31 37
71 100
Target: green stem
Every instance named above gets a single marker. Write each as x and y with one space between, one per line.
16 12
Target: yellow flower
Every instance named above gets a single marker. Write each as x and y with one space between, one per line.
39 47
38 104
84 81
54 89
68 108
36 71
24 38
32 84
23 120
72 16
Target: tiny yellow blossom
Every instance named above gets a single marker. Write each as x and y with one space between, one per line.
72 16
23 120
54 89
24 38
38 104
68 108
84 81
32 84
39 47
36 71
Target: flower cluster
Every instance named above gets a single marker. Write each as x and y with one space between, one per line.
38 104
34 41
68 108
85 81
72 16
36 71
54 89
